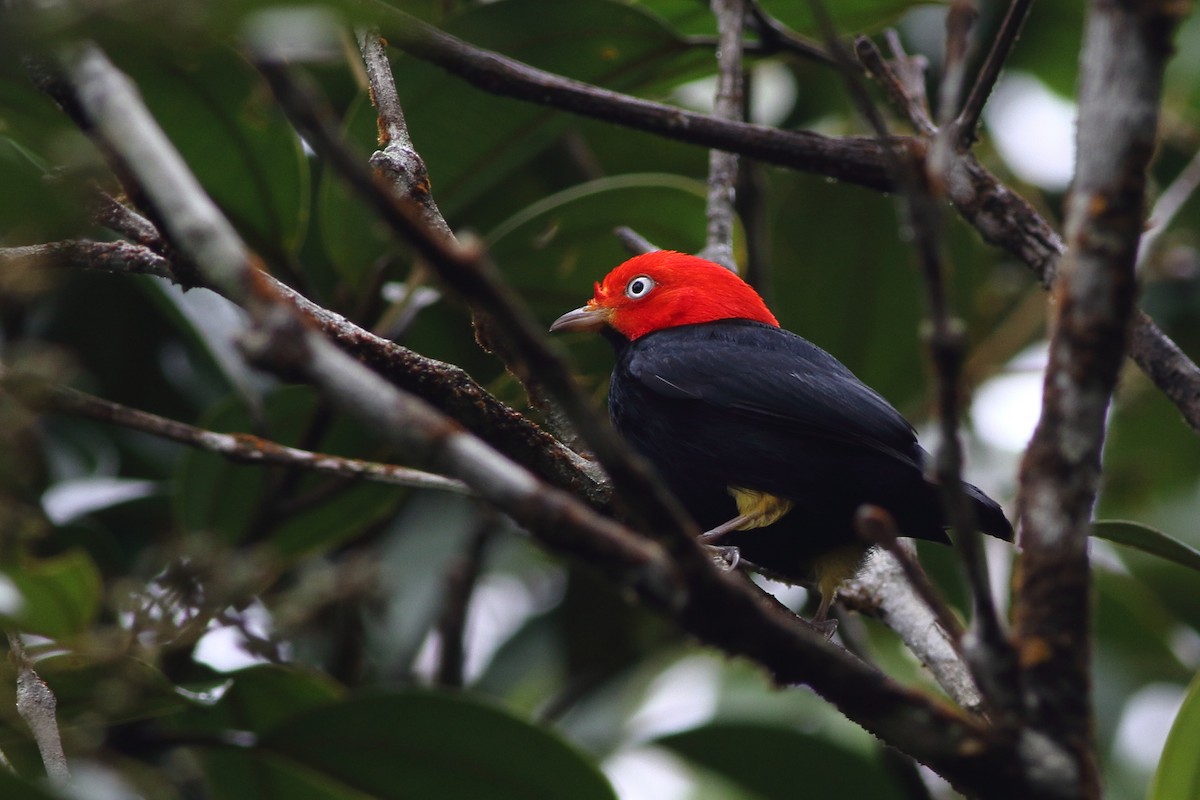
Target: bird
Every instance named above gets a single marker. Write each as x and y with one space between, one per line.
771 444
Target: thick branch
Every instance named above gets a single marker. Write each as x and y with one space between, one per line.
1124 53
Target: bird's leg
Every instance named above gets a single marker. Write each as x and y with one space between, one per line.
710 536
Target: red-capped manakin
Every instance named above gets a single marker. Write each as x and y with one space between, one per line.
769 442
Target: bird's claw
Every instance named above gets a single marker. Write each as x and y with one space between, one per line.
825 627
725 557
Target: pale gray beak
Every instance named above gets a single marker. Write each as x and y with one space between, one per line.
584 318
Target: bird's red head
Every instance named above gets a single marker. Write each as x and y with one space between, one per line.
664 289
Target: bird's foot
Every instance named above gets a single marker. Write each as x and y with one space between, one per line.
825 627
726 558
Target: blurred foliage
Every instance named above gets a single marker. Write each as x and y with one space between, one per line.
328 593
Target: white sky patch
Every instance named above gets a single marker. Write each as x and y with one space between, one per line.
648 773
223 647
1145 723
682 697
1033 130
1007 407
774 93
11 599
500 606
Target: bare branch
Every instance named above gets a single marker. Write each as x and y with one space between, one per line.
775 36
36 704
850 159
1124 54
241 448
904 80
634 242
966 124
104 256
460 581
398 161
884 590
722 165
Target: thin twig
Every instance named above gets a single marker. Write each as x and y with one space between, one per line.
775 36
1172 199
36 704
242 448
960 21
120 218
399 160
904 83
460 581
966 124
723 165
633 241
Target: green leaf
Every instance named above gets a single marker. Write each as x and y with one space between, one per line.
1148 540
419 745
60 596
216 496
260 698
1178 774
241 147
774 761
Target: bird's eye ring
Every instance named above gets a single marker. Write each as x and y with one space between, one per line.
639 287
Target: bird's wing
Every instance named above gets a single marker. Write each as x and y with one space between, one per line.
773 379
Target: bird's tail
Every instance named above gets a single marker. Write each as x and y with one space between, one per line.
988 514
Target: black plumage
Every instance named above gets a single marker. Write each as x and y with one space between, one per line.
737 403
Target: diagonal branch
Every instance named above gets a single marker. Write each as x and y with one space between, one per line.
242 448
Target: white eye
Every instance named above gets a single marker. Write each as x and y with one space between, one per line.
639 287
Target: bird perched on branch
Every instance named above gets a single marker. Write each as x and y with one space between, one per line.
769 442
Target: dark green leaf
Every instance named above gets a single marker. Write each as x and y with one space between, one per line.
60 596
1148 540
779 762
216 111
420 745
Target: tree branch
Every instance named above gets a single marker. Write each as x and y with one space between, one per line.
36 704
966 124
722 165
242 448
1124 54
